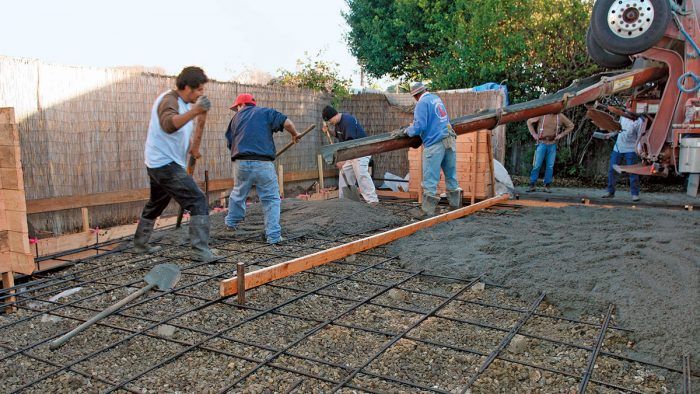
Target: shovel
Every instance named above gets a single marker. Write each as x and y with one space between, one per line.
163 276
350 190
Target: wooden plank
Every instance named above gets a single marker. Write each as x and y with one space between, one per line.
388 193
48 246
134 195
86 219
8 281
557 204
319 158
256 278
493 176
7 115
474 169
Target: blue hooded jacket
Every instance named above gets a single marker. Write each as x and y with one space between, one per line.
249 134
430 120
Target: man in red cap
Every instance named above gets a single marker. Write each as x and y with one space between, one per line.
249 137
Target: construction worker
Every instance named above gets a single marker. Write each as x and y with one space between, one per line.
249 137
547 135
625 147
172 123
432 123
356 170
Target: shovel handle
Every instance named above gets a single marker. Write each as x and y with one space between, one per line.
289 145
55 344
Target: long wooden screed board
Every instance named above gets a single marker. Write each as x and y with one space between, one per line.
229 287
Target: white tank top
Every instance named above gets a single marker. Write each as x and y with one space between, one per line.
163 148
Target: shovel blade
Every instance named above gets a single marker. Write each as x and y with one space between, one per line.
164 276
351 193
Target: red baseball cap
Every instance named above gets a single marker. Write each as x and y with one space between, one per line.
245 98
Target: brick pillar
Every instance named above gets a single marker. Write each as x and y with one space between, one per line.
473 170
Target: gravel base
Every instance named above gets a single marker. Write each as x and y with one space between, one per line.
331 353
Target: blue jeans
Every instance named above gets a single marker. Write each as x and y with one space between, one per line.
616 158
262 175
544 153
436 157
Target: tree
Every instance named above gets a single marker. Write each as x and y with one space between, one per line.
316 74
534 45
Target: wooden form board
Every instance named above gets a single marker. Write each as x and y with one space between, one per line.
473 167
256 278
15 255
124 196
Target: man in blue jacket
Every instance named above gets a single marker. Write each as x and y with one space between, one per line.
432 124
249 136
348 128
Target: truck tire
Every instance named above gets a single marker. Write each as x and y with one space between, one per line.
626 27
602 57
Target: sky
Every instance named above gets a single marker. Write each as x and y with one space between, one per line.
225 37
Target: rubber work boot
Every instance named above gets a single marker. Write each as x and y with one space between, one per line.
429 204
143 233
454 198
199 236
531 188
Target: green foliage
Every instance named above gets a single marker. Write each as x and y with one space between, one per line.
534 45
318 75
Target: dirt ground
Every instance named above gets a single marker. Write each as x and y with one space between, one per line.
644 260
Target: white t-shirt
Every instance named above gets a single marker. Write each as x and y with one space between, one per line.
163 148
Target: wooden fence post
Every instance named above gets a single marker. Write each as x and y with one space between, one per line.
320 172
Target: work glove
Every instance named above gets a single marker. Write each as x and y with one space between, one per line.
400 132
204 103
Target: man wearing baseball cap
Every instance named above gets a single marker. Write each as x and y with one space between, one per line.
348 128
432 124
249 137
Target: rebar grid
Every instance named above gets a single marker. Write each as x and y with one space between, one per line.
270 255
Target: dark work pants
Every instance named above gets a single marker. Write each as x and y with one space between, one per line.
172 181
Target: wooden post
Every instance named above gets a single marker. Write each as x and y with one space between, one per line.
320 172
222 199
8 281
257 278
475 166
280 179
240 276
490 156
86 220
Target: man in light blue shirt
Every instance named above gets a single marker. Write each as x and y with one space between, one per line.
432 124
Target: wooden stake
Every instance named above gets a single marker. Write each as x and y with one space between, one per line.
223 197
476 164
86 220
320 172
8 281
280 179
240 276
254 279
493 176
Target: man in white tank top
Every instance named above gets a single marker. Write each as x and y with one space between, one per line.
172 123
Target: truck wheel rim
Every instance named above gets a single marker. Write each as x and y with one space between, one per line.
630 18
